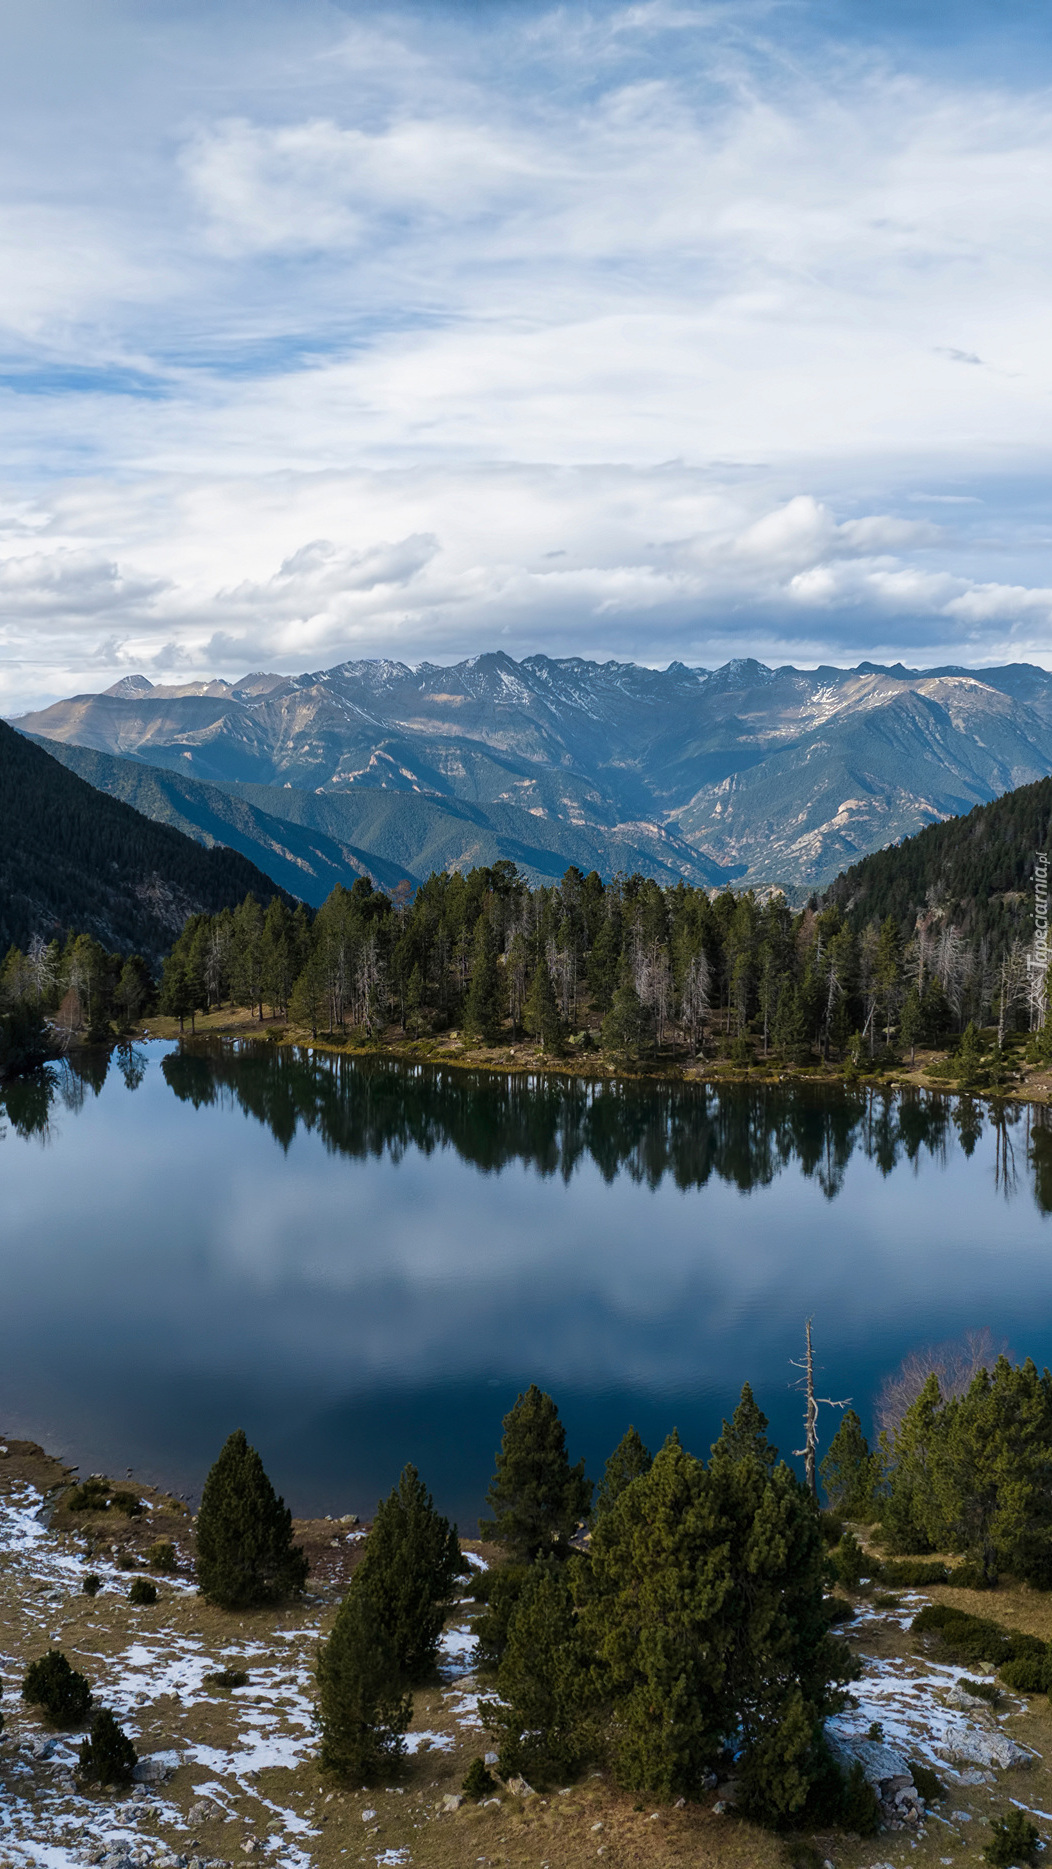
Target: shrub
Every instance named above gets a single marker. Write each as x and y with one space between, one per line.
107 1754
838 1610
142 1591
850 1562
245 1553
974 1638
859 1810
928 1783
883 1601
58 1690
800 1854
161 1556
1028 1674
127 1502
92 1584
500 1590
981 1690
125 1560
363 1712
1014 1841
89 1496
971 1577
227 1677
913 1573
832 1528
479 1782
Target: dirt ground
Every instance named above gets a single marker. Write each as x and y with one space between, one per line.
244 1779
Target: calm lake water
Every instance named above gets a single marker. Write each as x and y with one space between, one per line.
362 1264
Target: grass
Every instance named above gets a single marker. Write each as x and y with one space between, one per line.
260 1651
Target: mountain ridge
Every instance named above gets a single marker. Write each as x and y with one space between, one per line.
743 774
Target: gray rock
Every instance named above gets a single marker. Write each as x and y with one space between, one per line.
519 1788
156 1768
975 1747
452 1800
880 1763
41 1748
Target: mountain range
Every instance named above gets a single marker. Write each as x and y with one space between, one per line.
743 774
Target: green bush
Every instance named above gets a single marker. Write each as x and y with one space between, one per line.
58 1690
883 1601
1014 1841
859 1810
1028 1674
142 1591
850 1562
92 1584
90 1496
981 1690
161 1556
479 1782
227 1677
838 1610
974 1638
362 1707
913 1573
107 1754
127 1502
928 1783
499 1590
971 1577
125 1560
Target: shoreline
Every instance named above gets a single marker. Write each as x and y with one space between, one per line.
522 1059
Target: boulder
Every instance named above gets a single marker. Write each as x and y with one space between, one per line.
156 1768
974 1747
881 1763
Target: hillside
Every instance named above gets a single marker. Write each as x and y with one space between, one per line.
973 872
307 863
738 774
72 857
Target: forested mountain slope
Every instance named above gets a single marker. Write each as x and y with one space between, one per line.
306 862
742 773
974 872
71 857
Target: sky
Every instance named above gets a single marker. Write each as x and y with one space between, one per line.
645 331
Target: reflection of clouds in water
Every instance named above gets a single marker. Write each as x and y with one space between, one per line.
173 1227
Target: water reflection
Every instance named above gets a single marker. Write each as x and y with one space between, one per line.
744 1135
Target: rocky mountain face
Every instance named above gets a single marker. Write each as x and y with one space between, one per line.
743 774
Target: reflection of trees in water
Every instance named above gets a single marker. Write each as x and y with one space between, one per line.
742 1134
29 1103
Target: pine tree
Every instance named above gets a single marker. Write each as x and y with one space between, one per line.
536 1497
362 1710
850 1472
245 1553
542 1682
628 1023
629 1461
484 1005
58 1689
411 1564
541 1015
746 1433
107 1755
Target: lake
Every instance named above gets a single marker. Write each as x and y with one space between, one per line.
362 1263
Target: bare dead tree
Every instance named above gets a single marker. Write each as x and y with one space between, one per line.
812 1403
955 1363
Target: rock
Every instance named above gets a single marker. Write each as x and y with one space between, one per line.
598 1826
975 1747
367 1816
490 1804
879 1762
960 1817
451 1802
963 1702
203 1811
519 1788
491 1758
251 1846
156 1768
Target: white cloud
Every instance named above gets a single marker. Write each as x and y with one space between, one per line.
455 330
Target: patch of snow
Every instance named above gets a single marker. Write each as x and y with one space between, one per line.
480 1563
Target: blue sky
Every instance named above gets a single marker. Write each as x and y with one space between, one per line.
650 330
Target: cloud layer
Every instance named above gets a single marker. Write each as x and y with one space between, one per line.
653 331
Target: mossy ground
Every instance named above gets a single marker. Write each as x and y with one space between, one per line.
255 1747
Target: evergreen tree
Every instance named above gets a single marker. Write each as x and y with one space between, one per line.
245 1553
746 1434
541 1015
911 1022
107 1755
411 1565
362 1710
500 1588
484 1005
537 1499
850 1472
59 1690
628 1462
627 1025
542 1682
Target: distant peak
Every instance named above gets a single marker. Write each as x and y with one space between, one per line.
129 687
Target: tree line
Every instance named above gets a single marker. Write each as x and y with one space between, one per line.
630 964
51 990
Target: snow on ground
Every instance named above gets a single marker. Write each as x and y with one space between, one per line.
46 1821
